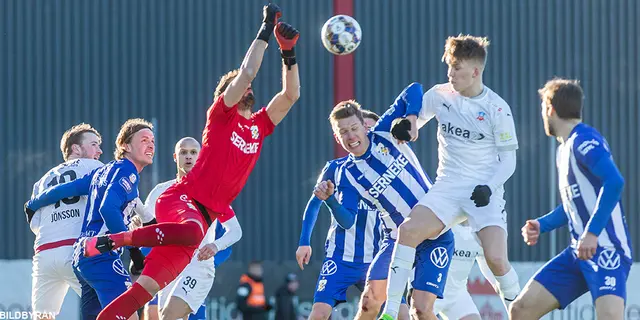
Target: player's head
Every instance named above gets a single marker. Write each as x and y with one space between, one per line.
185 154
255 269
348 127
135 142
81 141
466 57
370 118
247 101
561 101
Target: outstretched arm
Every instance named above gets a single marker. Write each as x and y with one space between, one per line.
407 103
78 187
277 109
253 58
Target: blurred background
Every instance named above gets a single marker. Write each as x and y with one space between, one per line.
63 62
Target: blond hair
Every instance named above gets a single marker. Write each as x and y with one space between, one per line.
465 47
128 129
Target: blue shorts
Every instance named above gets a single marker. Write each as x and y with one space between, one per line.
106 274
568 277
336 276
89 304
431 265
154 301
201 314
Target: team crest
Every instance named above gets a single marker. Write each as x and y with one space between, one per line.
322 284
383 150
255 134
481 116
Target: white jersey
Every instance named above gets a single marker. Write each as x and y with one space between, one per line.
471 132
150 207
63 219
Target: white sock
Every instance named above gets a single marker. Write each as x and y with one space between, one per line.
509 285
399 272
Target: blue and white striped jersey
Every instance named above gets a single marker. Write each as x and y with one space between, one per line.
580 188
361 242
388 176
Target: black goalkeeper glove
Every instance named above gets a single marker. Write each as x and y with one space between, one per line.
270 13
400 128
481 195
137 261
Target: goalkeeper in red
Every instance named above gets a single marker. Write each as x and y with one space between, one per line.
231 143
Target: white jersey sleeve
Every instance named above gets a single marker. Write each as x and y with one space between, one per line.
504 128
428 110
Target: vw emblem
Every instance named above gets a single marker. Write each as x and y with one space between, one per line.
328 268
439 257
119 268
609 259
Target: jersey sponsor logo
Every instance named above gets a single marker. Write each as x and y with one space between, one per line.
465 254
255 133
388 176
118 267
449 129
133 178
126 184
439 257
570 192
328 268
65 214
609 259
322 284
364 206
505 136
587 146
247 148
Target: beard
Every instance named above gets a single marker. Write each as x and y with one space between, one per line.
247 102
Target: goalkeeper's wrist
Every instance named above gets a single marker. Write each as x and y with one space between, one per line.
288 57
264 34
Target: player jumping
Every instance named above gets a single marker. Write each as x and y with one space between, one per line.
388 176
187 293
599 257
57 226
231 143
477 154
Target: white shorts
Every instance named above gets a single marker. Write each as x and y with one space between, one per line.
192 285
457 307
52 276
452 204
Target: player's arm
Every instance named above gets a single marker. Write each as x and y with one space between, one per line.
553 220
281 103
253 58
78 187
594 154
222 255
118 193
232 234
407 103
312 209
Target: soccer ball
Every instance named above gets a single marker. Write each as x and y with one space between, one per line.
341 34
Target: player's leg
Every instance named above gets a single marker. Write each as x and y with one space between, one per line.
430 276
607 282
554 286
375 294
190 290
47 288
89 303
151 309
435 211
320 311
162 265
490 222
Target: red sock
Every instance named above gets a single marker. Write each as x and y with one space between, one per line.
187 234
126 304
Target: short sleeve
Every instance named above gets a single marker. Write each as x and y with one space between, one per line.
263 122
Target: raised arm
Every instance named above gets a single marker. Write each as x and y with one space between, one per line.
279 106
407 103
78 187
253 58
